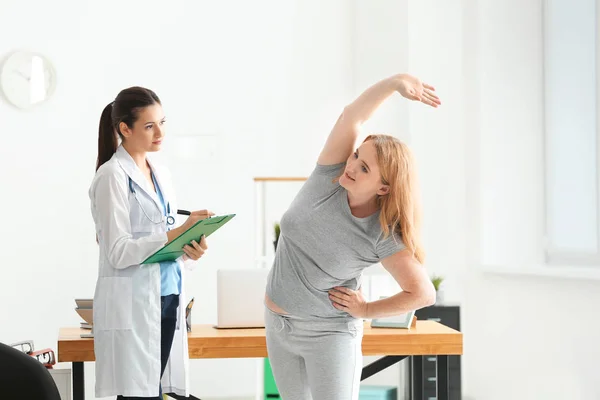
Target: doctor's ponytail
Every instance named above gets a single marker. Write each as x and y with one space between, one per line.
107 137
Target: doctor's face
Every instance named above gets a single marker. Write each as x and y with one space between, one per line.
148 131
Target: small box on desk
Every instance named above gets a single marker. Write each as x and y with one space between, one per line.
368 392
405 321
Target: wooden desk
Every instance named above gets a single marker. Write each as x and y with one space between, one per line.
427 338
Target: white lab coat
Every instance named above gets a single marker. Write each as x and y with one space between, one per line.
127 307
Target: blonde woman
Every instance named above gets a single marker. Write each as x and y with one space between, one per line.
358 207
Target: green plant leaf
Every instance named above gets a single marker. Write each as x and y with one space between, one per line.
437 281
277 230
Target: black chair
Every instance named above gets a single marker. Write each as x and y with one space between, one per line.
24 377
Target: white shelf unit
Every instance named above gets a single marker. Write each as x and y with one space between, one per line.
264 257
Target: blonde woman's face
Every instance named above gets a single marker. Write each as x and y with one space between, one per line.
362 175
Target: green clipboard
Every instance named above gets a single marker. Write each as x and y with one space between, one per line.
174 249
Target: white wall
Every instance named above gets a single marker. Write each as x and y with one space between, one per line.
437 136
526 337
262 82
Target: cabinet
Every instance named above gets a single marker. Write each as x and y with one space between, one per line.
62 378
423 368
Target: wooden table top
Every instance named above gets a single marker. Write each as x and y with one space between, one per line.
205 341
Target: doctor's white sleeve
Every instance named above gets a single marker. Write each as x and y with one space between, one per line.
114 228
189 264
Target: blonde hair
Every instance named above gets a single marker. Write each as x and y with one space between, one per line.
400 207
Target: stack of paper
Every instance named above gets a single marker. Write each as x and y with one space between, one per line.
85 309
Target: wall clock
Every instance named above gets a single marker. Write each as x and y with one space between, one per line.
27 79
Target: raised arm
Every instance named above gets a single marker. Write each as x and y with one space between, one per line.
341 140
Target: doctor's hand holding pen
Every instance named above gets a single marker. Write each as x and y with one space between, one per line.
194 250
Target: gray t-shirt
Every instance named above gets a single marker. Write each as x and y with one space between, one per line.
322 245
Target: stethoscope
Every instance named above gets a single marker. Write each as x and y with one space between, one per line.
170 218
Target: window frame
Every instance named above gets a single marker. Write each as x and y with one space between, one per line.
554 255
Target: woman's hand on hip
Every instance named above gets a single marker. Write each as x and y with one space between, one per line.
195 250
412 88
351 301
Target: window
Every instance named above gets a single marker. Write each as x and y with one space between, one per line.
571 132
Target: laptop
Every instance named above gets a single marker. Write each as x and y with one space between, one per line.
240 297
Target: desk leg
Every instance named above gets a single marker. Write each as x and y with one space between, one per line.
416 380
443 383
178 397
380 365
78 381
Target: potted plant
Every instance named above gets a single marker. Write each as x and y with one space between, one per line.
277 233
437 281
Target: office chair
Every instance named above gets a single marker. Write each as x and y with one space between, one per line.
24 377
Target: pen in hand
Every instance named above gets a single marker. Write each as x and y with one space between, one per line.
202 213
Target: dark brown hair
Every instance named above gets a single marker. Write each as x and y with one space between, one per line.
125 108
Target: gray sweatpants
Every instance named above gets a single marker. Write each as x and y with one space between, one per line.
318 360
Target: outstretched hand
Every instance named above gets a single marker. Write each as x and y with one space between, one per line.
412 88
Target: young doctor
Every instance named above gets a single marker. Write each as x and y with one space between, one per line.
358 207
140 337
